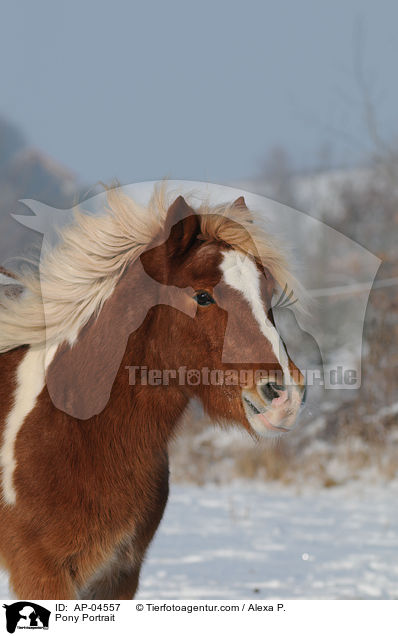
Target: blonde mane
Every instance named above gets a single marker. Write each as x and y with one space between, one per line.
76 277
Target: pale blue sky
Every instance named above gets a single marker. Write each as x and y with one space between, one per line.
194 90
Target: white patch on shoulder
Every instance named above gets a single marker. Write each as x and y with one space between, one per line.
49 356
30 383
240 272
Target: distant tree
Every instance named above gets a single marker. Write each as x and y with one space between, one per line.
324 156
278 171
11 141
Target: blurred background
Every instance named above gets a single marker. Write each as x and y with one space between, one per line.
294 101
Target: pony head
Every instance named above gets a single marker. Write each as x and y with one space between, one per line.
220 337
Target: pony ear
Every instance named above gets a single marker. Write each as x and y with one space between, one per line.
183 224
240 203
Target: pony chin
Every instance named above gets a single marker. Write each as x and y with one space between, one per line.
263 430
261 425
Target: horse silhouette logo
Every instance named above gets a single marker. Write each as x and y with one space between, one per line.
321 357
26 615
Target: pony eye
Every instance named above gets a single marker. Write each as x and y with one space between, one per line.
203 298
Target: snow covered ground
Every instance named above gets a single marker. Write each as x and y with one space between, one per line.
264 541
257 541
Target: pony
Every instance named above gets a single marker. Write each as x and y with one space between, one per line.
132 314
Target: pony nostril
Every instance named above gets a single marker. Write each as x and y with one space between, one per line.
271 390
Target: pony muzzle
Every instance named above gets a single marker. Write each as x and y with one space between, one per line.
272 408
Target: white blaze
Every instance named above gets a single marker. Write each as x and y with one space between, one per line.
241 273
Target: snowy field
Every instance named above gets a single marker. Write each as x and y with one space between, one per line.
262 541
257 541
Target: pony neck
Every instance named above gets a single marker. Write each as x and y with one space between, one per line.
149 413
